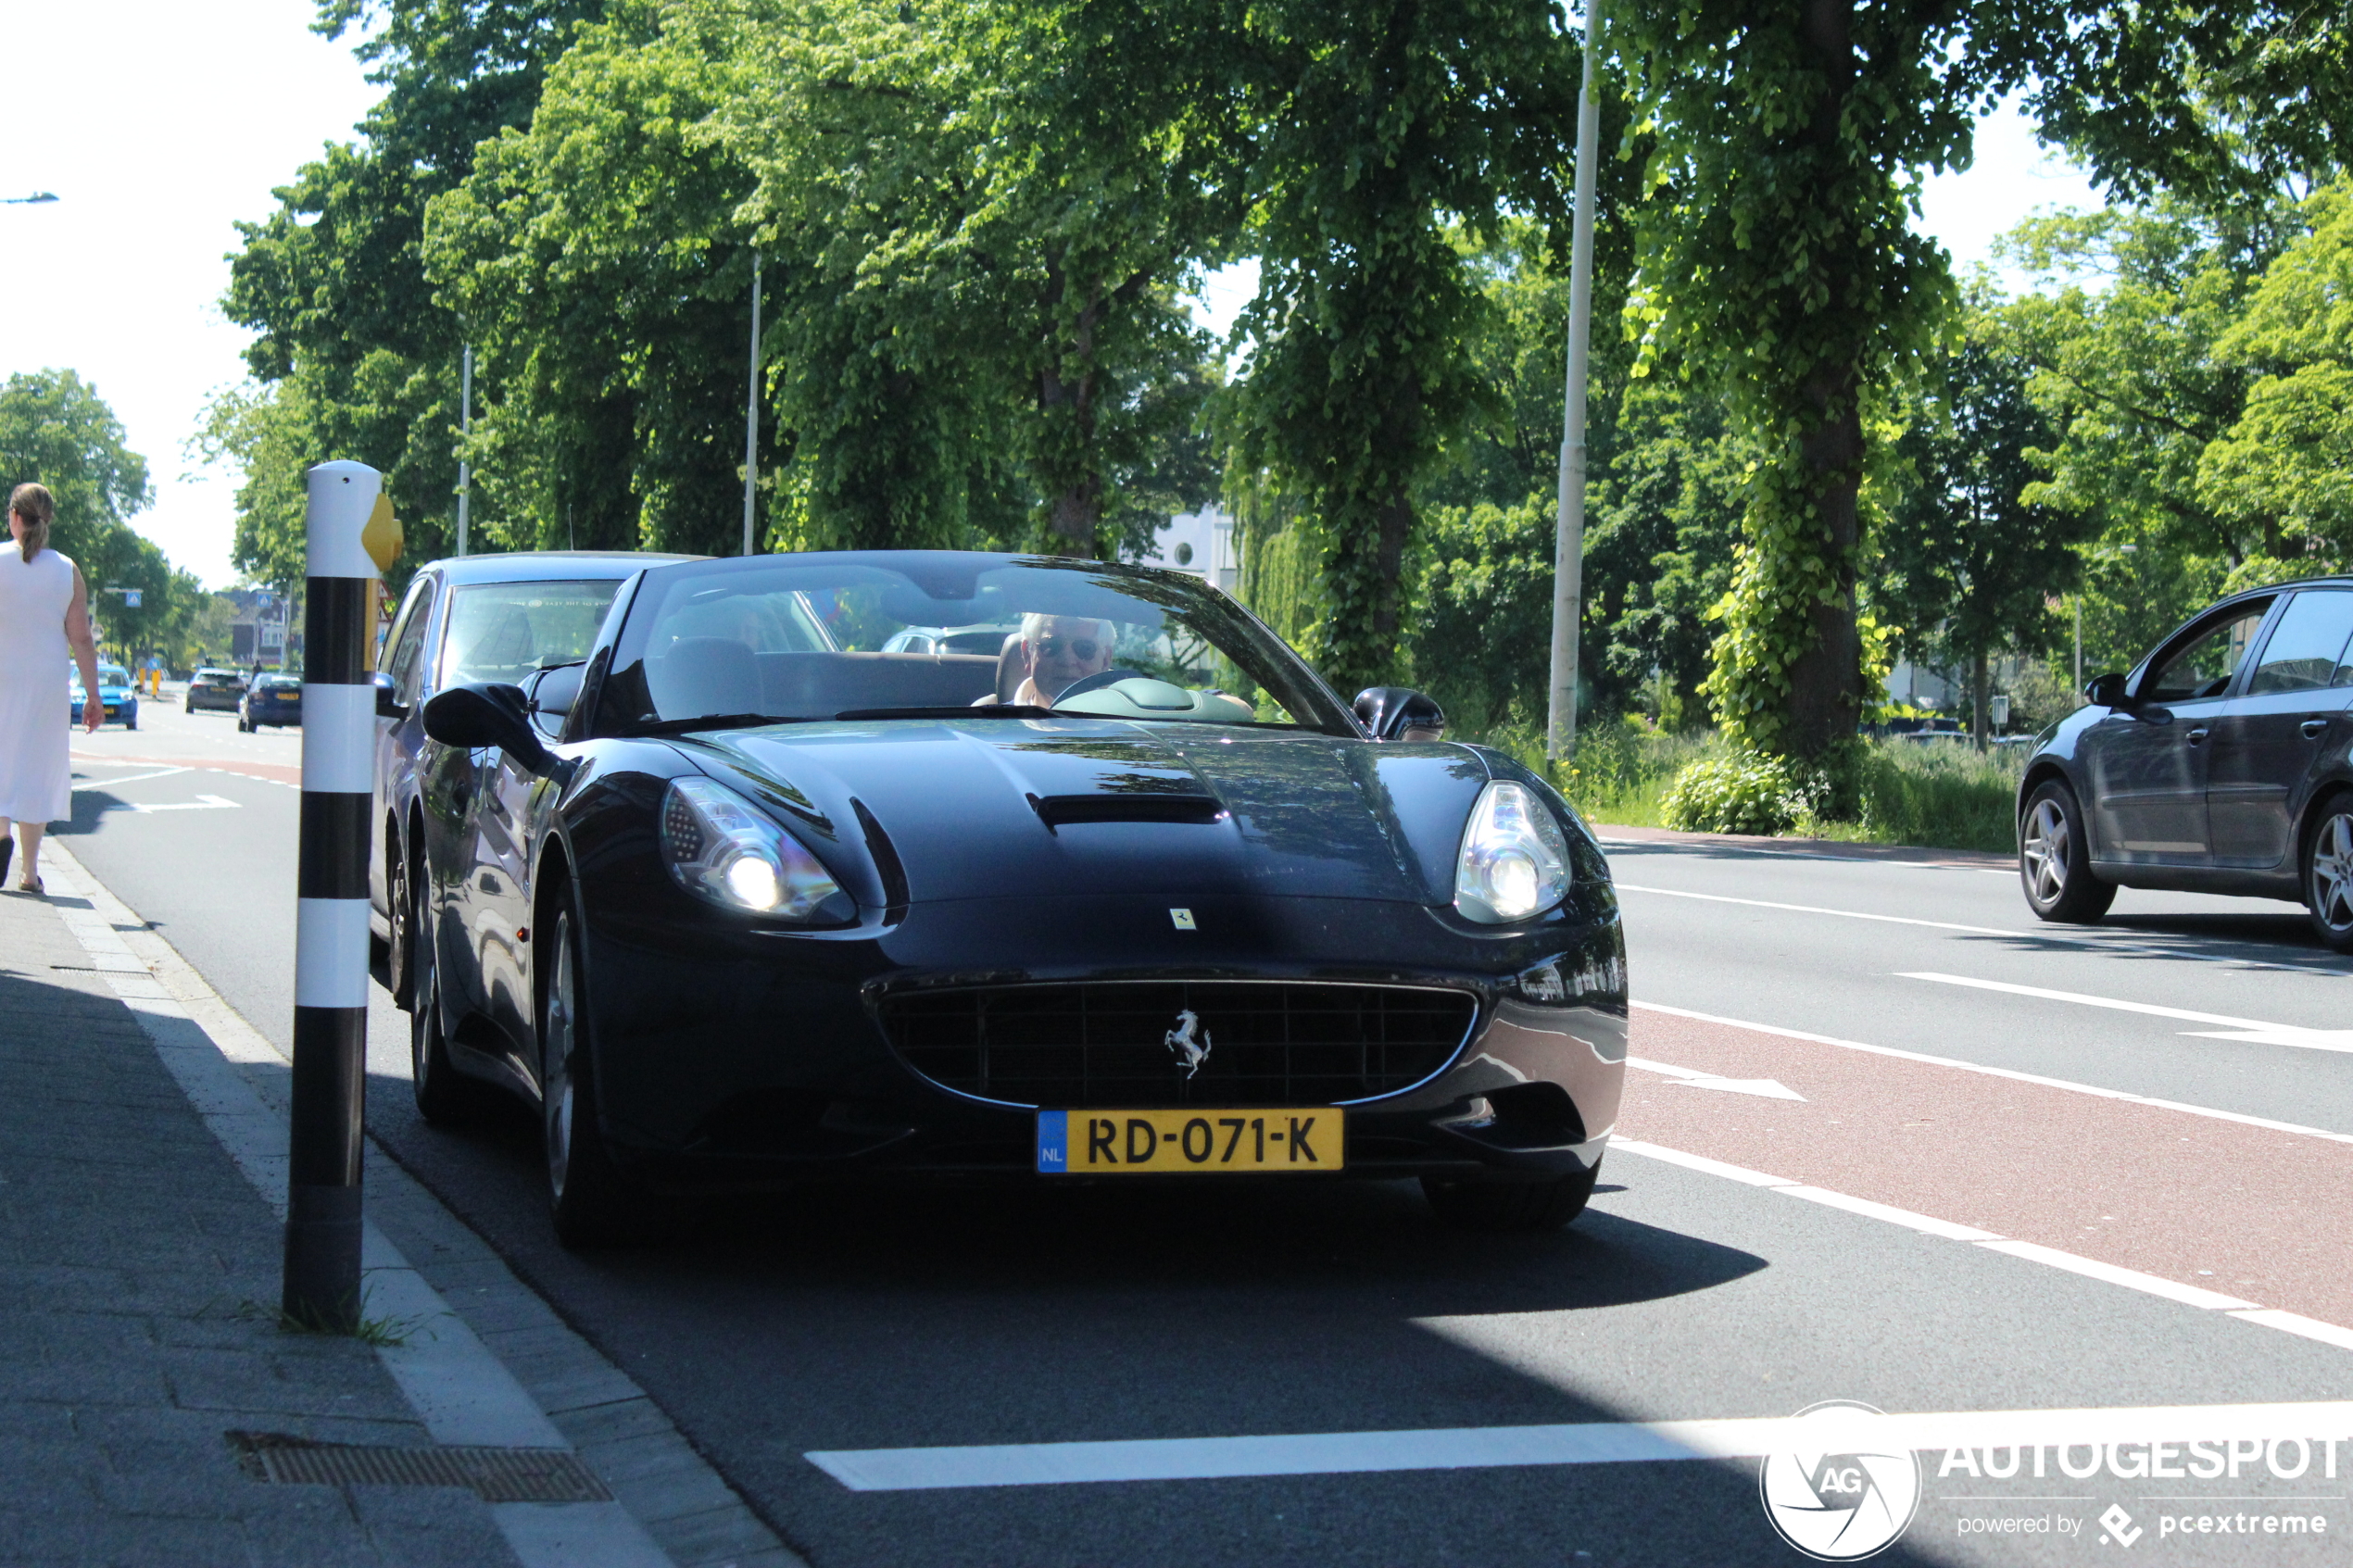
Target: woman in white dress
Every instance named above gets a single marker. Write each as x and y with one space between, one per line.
45 611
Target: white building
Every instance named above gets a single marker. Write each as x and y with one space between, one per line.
1203 543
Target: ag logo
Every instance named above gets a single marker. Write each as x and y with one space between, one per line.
1840 1496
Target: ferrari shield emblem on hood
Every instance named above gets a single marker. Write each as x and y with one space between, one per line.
1191 1053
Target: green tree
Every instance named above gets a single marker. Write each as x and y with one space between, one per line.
56 430
2286 465
1779 268
351 343
1965 562
1374 131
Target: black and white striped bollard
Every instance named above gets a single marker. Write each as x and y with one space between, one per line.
352 536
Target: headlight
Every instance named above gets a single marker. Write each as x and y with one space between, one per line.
1515 860
720 845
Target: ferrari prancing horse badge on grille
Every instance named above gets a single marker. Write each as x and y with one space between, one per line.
1191 1053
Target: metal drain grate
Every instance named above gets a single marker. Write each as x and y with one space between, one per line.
496 1475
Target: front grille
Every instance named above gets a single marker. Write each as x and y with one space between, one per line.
1107 1043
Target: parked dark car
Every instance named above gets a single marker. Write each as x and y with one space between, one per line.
216 689
767 906
2219 764
498 617
271 699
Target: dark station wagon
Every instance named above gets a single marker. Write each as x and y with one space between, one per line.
2221 763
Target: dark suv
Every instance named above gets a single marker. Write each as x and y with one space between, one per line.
504 618
2219 764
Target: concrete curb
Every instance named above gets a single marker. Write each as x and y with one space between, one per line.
507 1371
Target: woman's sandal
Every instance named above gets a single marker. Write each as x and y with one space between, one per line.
31 885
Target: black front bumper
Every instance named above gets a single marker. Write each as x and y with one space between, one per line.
734 1057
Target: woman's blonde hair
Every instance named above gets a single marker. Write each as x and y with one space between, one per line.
36 506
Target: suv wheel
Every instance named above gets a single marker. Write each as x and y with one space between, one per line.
2328 873
2055 858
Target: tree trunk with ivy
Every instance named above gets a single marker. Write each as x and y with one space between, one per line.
1778 262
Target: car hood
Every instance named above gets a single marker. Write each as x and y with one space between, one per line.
1035 807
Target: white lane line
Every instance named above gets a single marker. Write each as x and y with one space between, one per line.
2071 1087
2324 1424
135 777
1692 1078
2026 1251
1817 910
2045 937
2251 1029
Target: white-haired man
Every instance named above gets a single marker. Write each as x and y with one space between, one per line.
1058 651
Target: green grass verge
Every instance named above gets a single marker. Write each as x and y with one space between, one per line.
1939 795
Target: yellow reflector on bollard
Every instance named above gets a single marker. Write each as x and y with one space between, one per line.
382 537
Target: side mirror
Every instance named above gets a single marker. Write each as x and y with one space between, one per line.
388 706
550 694
2106 691
1399 713
488 714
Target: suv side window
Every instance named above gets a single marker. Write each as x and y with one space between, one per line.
2305 650
405 668
2203 667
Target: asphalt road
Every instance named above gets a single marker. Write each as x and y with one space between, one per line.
2053 1238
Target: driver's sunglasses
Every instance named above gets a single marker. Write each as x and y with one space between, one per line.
1081 648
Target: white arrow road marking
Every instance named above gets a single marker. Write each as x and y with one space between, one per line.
201 803
2251 1029
1691 1078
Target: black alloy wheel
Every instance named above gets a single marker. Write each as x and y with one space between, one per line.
445 1097
2328 873
590 1201
2054 859
401 922
1496 1208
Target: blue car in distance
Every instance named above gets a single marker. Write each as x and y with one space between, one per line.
271 699
115 695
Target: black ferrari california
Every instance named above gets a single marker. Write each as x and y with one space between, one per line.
742 899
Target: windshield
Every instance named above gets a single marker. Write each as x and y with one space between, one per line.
108 676
507 631
711 641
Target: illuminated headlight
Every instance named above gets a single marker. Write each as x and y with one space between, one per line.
718 845
1515 860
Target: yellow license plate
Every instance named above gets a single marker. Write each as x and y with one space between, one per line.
1259 1142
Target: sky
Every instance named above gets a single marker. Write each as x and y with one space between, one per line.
160 123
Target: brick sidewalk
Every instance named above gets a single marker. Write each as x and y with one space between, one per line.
138 1277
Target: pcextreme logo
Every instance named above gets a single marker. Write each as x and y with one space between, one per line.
1840 1496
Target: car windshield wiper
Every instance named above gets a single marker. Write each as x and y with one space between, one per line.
710 721
993 710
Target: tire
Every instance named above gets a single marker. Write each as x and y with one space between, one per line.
2054 859
445 1097
590 1201
192 705
1493 1207
400 945
2328 873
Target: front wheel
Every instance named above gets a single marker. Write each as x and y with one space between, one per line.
2328 873
2055 858
590 1201
1511 1207
400 945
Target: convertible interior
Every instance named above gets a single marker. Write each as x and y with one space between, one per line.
716 675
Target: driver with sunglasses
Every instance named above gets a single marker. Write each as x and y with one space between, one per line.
1058 651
